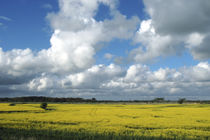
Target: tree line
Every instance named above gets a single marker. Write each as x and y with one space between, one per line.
93 100
44 99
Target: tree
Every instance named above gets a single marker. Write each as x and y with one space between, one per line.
159 100
93 99
43 106
12 104
181 100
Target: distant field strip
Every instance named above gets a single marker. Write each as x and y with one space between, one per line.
107 121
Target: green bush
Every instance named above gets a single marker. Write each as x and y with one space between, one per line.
181 101
43 106
12 104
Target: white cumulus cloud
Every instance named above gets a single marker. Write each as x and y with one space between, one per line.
172 24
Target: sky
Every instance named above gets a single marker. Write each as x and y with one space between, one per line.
106 49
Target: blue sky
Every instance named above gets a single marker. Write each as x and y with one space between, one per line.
93 38
28 27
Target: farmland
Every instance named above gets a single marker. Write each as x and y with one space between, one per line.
105 121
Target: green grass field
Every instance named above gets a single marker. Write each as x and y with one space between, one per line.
105 121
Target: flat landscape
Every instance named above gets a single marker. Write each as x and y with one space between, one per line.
104 121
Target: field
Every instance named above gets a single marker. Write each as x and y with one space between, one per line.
105 121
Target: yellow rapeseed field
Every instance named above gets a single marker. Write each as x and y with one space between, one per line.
166 120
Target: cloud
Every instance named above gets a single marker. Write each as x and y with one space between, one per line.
43 83
101 81
47 6
153 44
180 16
120 27
92 77
201 50
2 20
74 43
136 81
173 27
108 56
68 67
77 34
5 18
140 80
